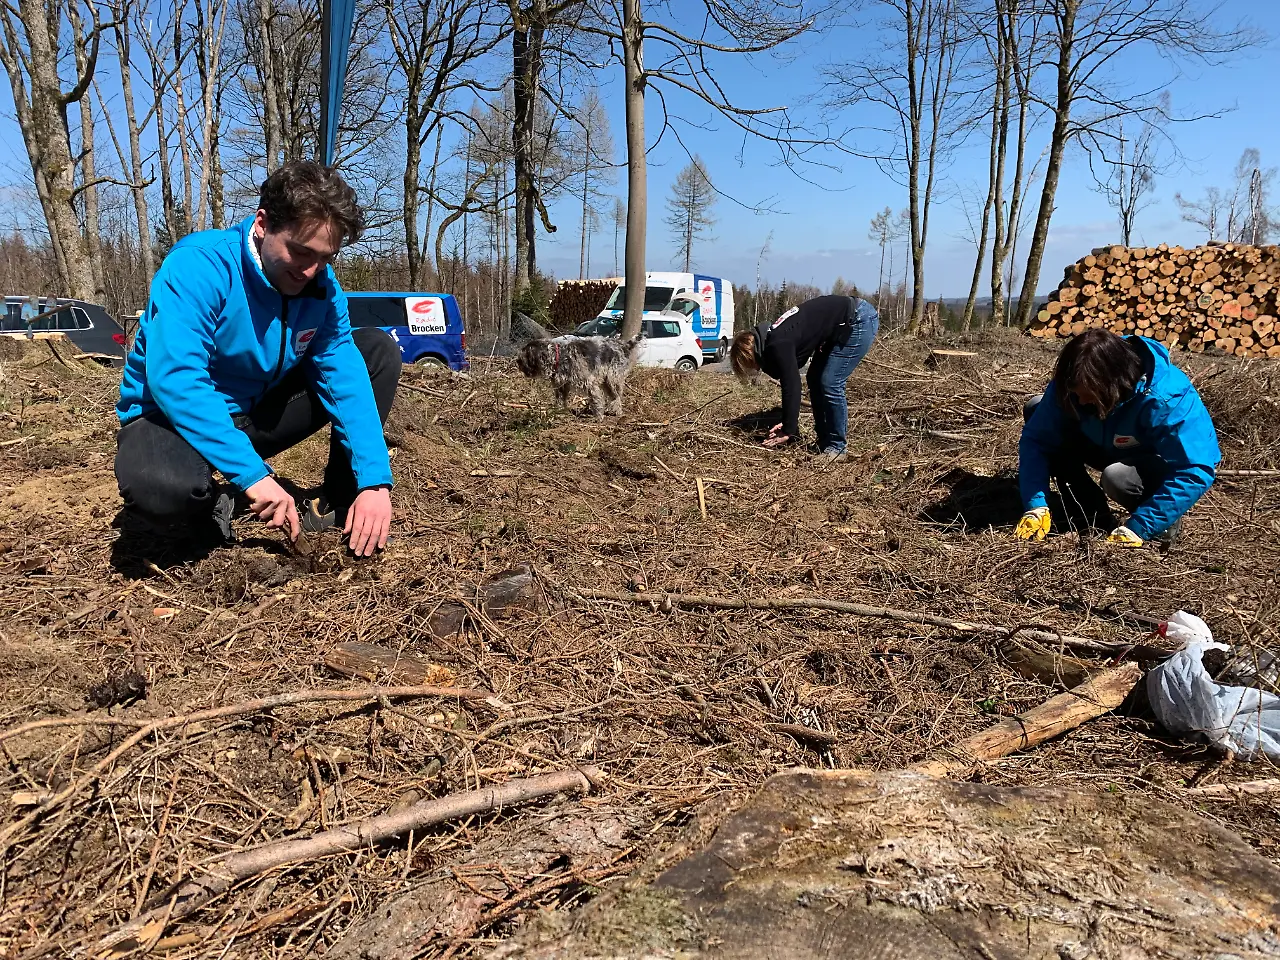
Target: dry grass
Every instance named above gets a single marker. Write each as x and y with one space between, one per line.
675 706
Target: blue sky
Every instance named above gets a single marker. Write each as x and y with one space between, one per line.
819 225
820 229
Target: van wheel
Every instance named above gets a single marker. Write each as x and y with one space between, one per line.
686 364
430 362
723 350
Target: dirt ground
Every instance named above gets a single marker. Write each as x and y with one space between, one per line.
679 708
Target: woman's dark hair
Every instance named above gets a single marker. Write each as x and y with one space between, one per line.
1101 364
742 355
304 190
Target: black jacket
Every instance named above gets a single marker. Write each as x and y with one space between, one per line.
785 345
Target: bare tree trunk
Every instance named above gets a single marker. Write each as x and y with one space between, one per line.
637 187
409 198
208 54
270 101
526 49
88 164
158 93
431 191
180 106
586 182
1066 17
136 175
1007 221
217 199
995 173
41 114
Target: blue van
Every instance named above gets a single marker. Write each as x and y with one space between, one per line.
428 326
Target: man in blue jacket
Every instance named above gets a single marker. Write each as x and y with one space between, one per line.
1120 406
245 349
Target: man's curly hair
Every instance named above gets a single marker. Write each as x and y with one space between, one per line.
303 190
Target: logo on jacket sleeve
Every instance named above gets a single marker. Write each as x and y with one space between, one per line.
1123 441
302 340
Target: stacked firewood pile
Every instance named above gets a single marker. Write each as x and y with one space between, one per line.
577 301
1220 298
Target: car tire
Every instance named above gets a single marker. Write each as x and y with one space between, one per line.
430 362
722 351
686 364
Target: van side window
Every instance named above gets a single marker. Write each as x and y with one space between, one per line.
12 319
82 321
376 312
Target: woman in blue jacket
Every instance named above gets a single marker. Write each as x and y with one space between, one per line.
1120 406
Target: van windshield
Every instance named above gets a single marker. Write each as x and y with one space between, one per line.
655 298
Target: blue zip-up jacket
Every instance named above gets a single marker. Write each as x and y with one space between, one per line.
1165 416
216 336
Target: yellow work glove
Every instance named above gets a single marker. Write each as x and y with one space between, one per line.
1034 524
1124 537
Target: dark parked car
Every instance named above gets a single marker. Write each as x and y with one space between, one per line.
88 326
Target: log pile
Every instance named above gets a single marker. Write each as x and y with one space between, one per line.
1219 299
577 301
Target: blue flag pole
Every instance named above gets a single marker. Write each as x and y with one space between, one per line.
335 41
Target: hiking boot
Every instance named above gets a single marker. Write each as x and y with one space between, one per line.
831 455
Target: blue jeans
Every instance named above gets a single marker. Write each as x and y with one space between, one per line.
831 366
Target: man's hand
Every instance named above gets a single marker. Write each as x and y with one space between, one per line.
369 521
1124 537
272 504
1034 525
776 437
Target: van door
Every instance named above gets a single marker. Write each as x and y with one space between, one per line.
707 291
666 339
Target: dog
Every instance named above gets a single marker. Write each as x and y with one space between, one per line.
596 366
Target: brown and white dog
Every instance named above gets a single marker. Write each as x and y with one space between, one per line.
596 366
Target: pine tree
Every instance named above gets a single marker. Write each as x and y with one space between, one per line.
689 208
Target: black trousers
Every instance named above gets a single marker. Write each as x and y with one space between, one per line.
163 478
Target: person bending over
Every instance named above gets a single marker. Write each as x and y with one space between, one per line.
245 349
832 334
1118 405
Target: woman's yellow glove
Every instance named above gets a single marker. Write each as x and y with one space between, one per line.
1124 537
1034 524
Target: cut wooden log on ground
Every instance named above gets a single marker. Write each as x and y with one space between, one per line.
1231 791
368 661
1036 662
224 872
1091 699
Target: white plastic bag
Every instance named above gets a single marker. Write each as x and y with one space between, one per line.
1185 698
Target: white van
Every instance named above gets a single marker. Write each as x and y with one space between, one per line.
708 303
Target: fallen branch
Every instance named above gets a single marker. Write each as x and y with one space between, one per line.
945 435
1256 474
806 735
1223 791
229 869
1064 712
878 613
214 713
417 389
